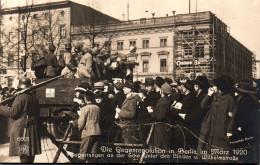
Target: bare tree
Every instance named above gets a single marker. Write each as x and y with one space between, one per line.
94 25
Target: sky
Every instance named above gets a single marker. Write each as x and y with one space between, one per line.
241 16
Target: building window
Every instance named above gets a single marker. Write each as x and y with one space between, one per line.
62 31
120 45
22 36
45 33
187 50
62 13
46 15
163 65
23 17
200 51
96 45
10 18
34 16
132 43
10 60
145 66
163 42
34 35
11 36
145 43
108 46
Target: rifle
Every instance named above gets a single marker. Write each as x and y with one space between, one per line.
30 88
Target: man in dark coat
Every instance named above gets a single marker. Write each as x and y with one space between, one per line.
119 97
162 133
194 119
217 125
52 63
247 122
38 65
25 138
127 114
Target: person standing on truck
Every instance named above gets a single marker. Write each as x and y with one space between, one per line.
85 64
70 63
89 127
77 56
25 140
51 61
38 64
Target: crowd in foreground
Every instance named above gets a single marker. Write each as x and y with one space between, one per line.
214 113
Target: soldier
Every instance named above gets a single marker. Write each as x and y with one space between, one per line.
85 64
77 56
25 139
70 64
51 60
38 65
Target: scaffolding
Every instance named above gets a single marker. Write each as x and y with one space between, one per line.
204 46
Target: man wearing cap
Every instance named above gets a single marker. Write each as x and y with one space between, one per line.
89 126
119 97
127 114
70 63
51 62
25 112
162 133
85 65
159 81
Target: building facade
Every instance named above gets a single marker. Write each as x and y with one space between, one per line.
178 46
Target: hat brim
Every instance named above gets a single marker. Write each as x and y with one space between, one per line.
128 86
247 91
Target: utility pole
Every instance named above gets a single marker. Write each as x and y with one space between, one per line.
127 10
189 6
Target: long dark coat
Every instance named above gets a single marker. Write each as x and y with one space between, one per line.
161 132
23 105
217 123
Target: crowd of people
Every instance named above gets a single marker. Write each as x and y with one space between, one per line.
195 114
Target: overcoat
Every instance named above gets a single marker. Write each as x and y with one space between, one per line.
85 66
217 122
70 66
88 122
24 139
127 117
52 64
162 133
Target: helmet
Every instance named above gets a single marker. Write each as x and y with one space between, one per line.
52 47
95 50
24 83
77 48
85 49
67 46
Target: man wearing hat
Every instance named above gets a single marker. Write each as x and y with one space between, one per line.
51 62
159 81
25 112
89 127
217 126
127 113
194 118
247 120
70 63
85 65
119 97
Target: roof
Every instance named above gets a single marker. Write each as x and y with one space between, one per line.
80 14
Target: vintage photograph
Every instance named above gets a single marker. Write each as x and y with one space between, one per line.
129 81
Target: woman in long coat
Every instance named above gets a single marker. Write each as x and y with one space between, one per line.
25 138
217 125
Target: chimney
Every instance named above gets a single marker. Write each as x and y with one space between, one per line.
123 17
